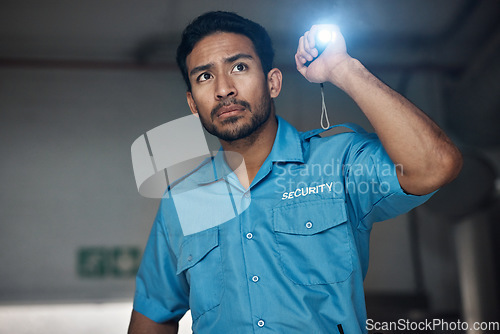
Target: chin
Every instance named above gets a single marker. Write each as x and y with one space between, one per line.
231 120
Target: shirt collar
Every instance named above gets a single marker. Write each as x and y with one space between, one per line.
287 147
211 170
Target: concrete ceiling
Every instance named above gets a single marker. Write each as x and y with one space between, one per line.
125 29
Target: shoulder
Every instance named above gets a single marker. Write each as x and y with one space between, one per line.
356 138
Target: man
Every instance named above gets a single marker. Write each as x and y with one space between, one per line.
293 259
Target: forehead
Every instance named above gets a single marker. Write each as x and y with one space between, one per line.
219 46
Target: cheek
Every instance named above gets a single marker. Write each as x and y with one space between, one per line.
251 88
201 101
260 92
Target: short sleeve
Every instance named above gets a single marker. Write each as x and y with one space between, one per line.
372 183
160 294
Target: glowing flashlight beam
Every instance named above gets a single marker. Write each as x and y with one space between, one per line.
326 36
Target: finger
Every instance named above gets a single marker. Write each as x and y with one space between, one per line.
300 61
312 35
308 46
302 51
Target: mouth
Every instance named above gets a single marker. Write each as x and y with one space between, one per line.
229 111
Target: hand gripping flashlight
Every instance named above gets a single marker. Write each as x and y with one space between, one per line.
321 41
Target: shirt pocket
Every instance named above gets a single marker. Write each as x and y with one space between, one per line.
313 241
200 260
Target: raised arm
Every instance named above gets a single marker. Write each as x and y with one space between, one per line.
428 158
140 324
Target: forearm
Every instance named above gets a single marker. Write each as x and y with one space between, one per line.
140 324
427 156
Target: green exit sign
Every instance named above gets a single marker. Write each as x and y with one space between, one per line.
101 262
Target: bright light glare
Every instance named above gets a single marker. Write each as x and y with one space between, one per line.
326 36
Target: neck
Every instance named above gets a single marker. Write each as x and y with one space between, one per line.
254 149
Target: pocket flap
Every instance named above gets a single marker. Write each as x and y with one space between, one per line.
195 247
309 218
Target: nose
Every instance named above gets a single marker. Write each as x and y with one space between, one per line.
224 88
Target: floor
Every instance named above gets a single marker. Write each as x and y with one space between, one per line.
105 318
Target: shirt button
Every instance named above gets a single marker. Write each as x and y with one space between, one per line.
247 195
249 235
255 279
260 323
309 225
190 258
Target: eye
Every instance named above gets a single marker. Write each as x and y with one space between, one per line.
204 77
239 67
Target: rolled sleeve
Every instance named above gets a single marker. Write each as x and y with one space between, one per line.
373 185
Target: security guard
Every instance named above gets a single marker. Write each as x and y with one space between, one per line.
274 237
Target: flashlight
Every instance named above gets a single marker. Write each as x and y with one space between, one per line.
322 39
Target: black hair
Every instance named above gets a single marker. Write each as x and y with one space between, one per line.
213 22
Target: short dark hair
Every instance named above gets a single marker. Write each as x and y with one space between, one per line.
213 22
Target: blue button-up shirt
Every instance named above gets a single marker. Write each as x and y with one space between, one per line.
288 254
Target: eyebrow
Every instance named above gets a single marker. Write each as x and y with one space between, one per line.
228 60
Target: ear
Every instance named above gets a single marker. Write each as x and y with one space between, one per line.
274 82
191 103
